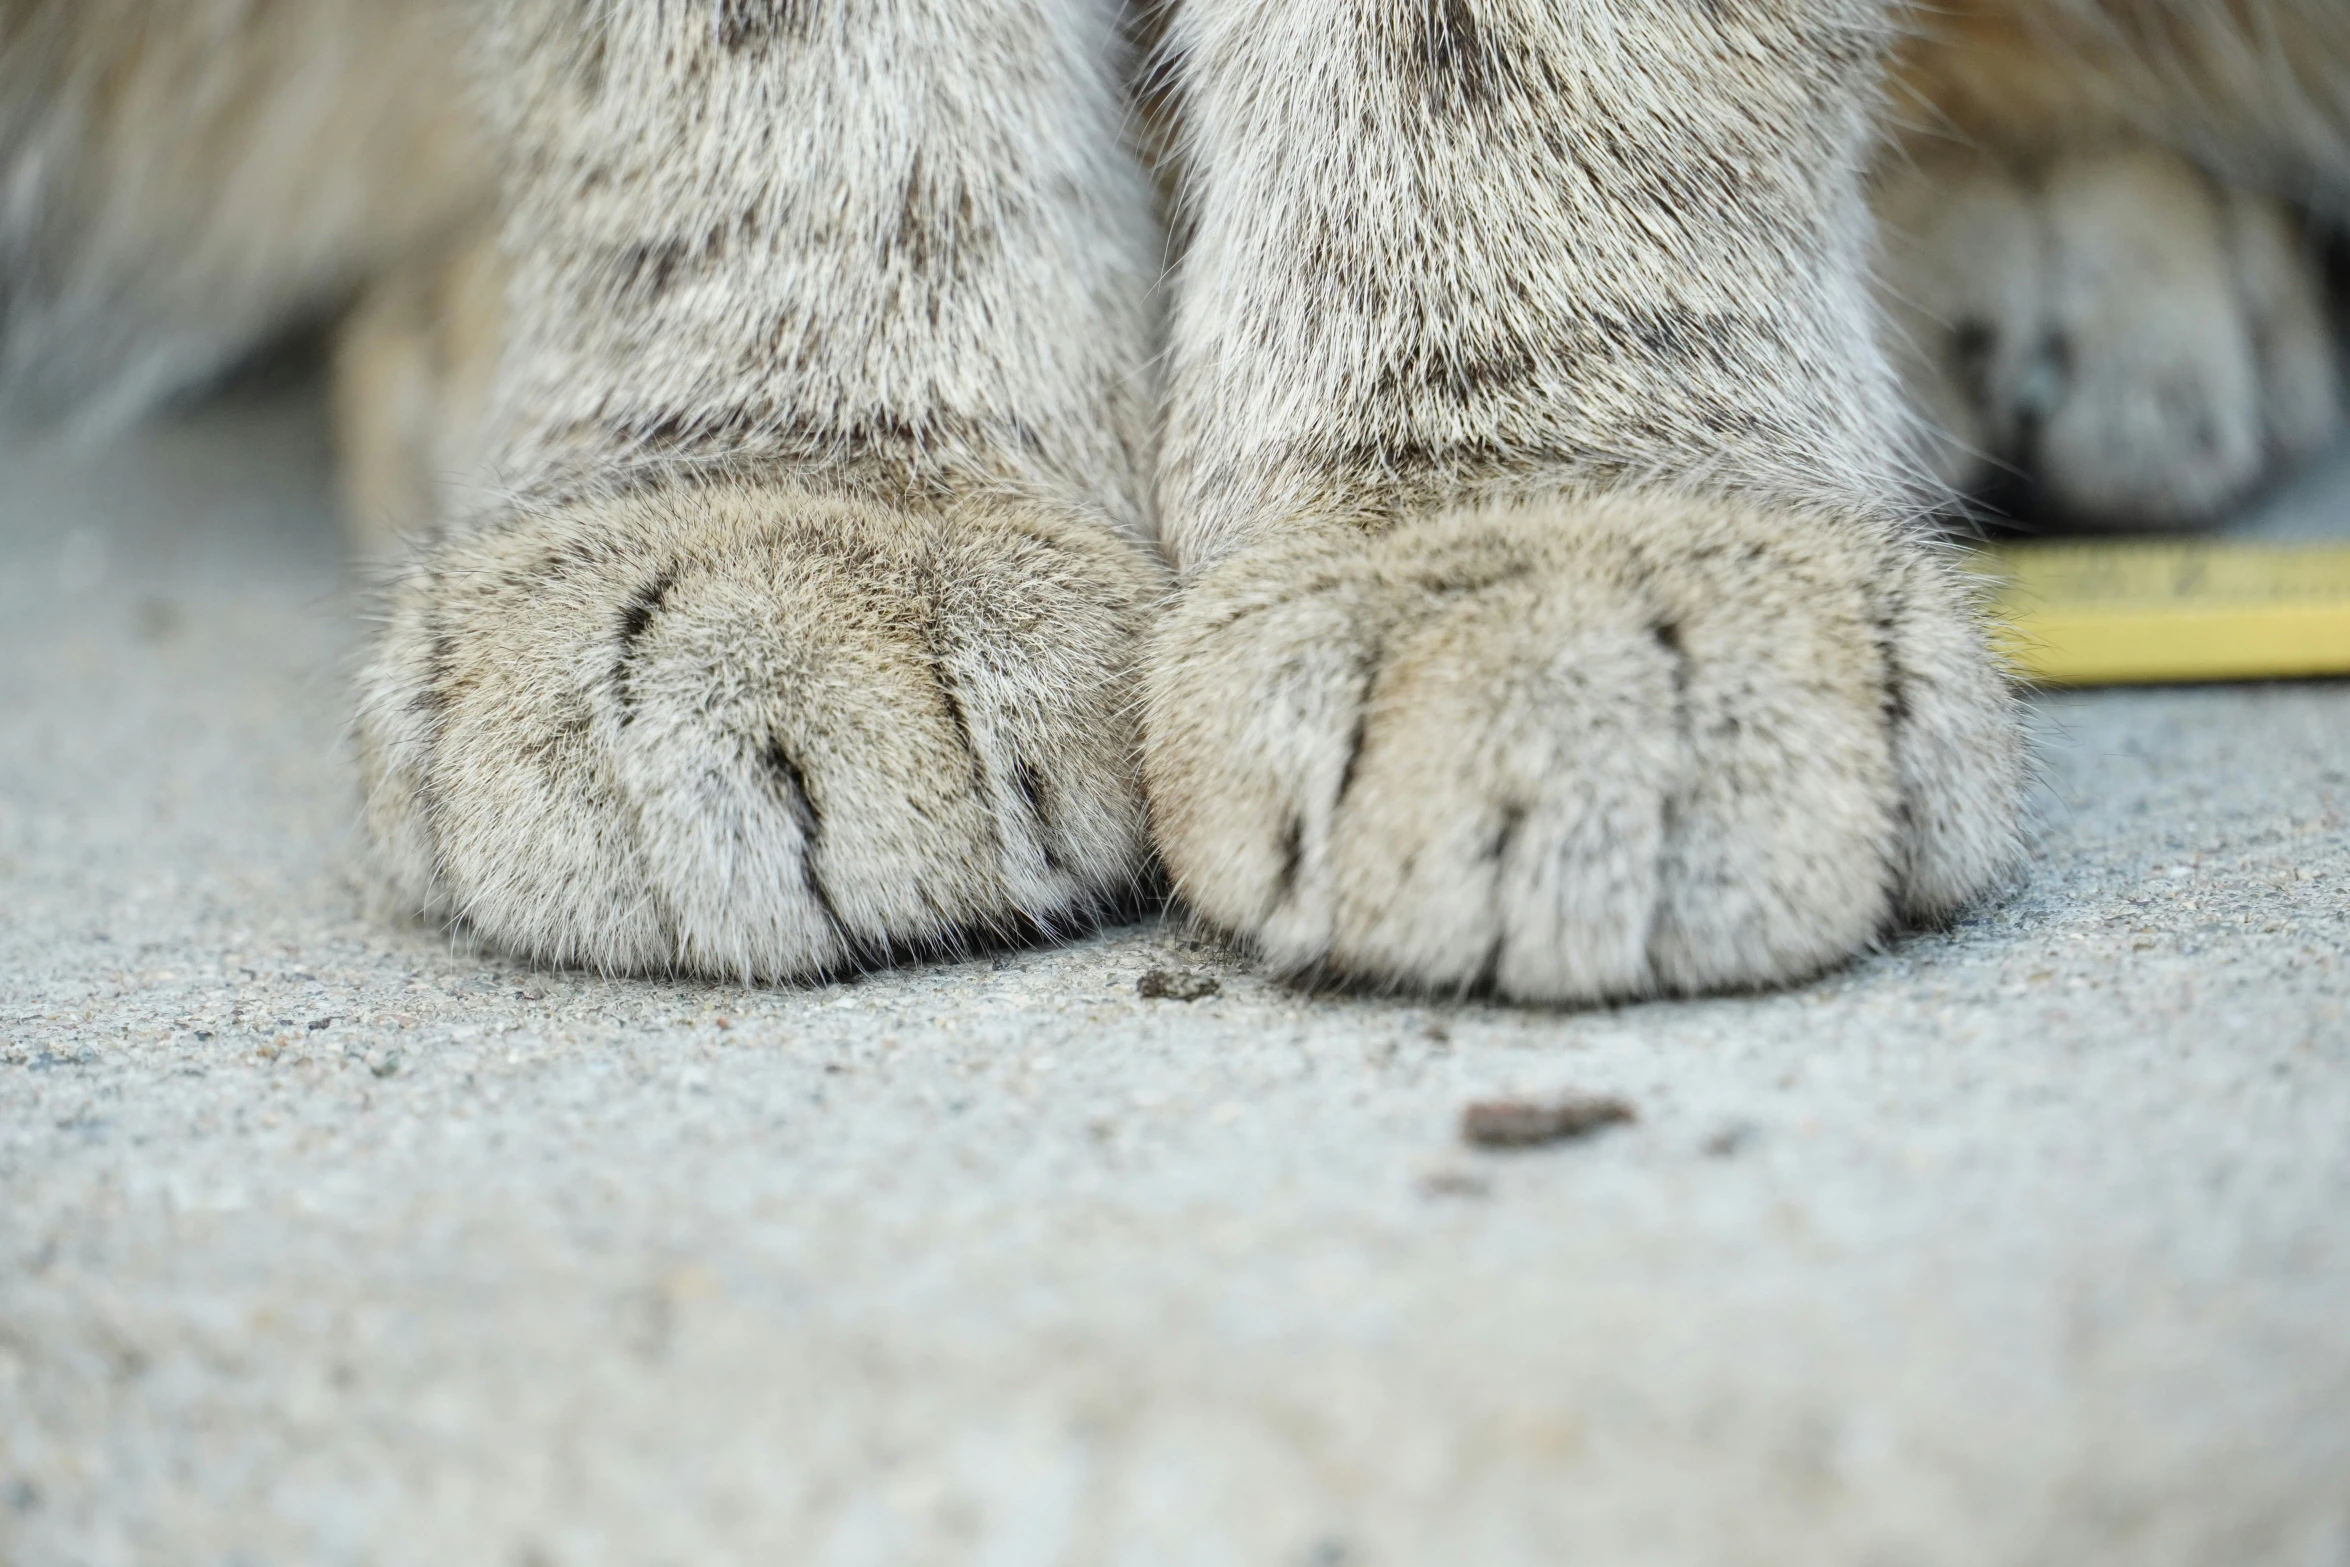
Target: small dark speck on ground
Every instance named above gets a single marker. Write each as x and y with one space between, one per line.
1454 1182
1526 1123
1164 984
159 619
1731 1139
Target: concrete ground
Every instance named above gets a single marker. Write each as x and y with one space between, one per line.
322 1241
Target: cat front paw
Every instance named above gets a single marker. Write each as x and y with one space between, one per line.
760 731
1578 749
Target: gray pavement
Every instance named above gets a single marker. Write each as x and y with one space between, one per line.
324 1241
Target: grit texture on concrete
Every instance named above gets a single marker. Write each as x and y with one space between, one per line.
323 1241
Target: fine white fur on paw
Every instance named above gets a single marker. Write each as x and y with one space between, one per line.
2139 345
1575 749
760 731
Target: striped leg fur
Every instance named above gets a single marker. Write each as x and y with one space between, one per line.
1549 629
802 630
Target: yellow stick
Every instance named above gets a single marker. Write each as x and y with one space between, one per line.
2162 611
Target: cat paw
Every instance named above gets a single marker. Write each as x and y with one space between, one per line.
2130 343
1579 749
758 731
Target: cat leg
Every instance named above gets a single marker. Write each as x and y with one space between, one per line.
799 631
2139 345
1550 622
2139 338
414 368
